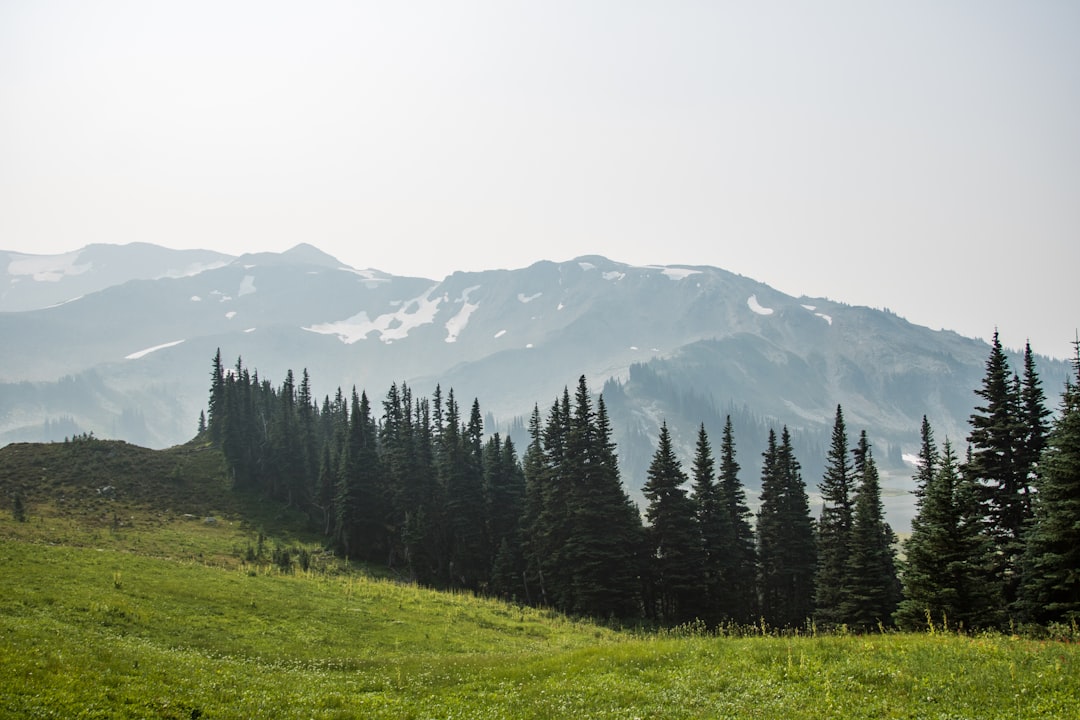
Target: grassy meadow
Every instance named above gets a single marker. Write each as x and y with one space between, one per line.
131 604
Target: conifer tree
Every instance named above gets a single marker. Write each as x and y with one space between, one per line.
871 591
999 465
834 530
602 548
1051 570
533 539
943 581
504 489
786 550
357 507
674 544
216 405
713 529
740 601
1033 418
462 476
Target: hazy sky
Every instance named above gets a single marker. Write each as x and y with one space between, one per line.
920 156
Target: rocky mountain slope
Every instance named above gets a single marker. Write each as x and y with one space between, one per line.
117 340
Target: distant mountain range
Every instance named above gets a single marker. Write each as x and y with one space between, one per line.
118 340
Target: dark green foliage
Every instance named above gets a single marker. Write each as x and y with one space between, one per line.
943 575
603 549
18 508
729 582
999 464
674 545
834 530
871 590
740 602
1050 591
713 530
787 554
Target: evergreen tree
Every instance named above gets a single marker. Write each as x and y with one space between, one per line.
1051 580
834 530
216 405
871 591
674 543
714 530
602 547
358 510
18 508
786 551
1033 418
943 576
462 476
998 465
504 484
533 546
740 602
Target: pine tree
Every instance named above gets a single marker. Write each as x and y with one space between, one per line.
674 544
358 510
216 406
998 465
834 530
1033 418
871 593
1050 591
786 550
602 548
714 531
943 575
740 569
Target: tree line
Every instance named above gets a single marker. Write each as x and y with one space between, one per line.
422 490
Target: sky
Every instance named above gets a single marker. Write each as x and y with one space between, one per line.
919 156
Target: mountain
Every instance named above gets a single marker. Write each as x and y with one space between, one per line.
126 353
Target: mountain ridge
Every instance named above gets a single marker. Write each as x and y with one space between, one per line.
129 360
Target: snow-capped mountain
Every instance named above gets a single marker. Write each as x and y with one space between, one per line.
118 341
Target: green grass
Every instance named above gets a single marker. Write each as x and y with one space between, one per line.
162 616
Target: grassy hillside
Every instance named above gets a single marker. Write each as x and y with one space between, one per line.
130 604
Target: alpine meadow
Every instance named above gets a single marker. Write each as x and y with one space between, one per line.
348 557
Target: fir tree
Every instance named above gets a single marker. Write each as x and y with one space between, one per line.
740 568
602 548
834 530
713 529
998 465
1051 571
786 551
358 510
674 543
1033 418
943 578
871 592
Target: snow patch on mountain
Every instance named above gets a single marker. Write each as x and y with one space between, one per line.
823 316
371 280
390 326
614 275
147 351
753 304
456 324
586 266
500 333
47 268
523 298
230 315
247 286
674 273
250 330
196 298
192 270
